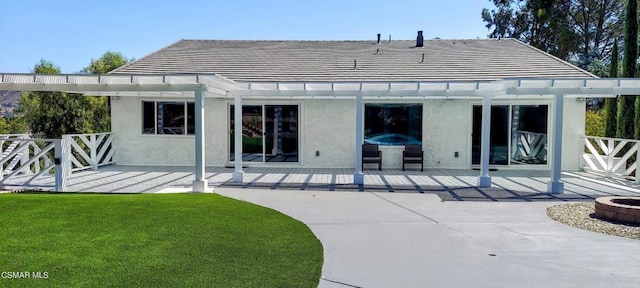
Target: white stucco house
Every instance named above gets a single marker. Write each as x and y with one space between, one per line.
469 103
309 130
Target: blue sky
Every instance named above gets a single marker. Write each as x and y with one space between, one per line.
72 32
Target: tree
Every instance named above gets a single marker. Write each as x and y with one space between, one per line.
611 104
580 31
108 62
626 103
54 114
540 23
598 24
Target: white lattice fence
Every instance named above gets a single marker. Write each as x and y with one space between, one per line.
611 156
89 151
30 162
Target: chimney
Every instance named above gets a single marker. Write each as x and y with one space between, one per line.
378 38
420 40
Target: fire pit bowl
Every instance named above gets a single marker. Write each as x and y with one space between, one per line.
620 209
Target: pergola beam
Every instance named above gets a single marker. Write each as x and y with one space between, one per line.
98 88
400 94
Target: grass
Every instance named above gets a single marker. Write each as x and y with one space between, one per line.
170 240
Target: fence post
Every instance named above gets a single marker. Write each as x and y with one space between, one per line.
93 150
609 153
60 164
24 158
66 150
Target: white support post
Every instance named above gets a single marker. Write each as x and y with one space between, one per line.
484 180
555 185
60 168
238 174
200 183
358 176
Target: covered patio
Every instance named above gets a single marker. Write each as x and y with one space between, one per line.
449 185
201 86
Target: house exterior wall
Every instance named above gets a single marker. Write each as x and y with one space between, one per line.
134 148
446 131
573 126
329 128
325 126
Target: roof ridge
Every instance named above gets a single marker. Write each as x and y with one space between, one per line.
310 40
145 56
554 57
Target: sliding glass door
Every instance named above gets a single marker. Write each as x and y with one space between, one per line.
499 139
281 133
269 133
529 134
252 134
518 135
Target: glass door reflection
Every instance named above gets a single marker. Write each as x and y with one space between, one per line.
269 133
252 134
499 137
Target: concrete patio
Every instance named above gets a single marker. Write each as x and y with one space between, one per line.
457 185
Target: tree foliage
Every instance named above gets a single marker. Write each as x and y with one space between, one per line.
108 62
12 125
611 104
540 23
54 114
594 123
576 30
626 103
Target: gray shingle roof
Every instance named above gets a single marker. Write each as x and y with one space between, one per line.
444 60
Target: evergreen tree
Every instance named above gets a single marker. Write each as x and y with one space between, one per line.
611 104
626 103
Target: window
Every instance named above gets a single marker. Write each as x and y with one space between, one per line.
168 118
393 124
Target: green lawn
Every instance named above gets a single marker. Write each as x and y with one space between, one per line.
170 240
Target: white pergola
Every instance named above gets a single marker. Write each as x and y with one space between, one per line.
201 86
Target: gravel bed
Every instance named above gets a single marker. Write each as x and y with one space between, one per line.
582 215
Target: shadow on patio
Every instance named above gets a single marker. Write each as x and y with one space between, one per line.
449 185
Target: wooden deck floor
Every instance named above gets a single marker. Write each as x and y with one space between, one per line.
508 185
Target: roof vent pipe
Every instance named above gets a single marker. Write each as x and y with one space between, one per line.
420 40
378 38
389 38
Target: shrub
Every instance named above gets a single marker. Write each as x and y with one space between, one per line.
594 123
